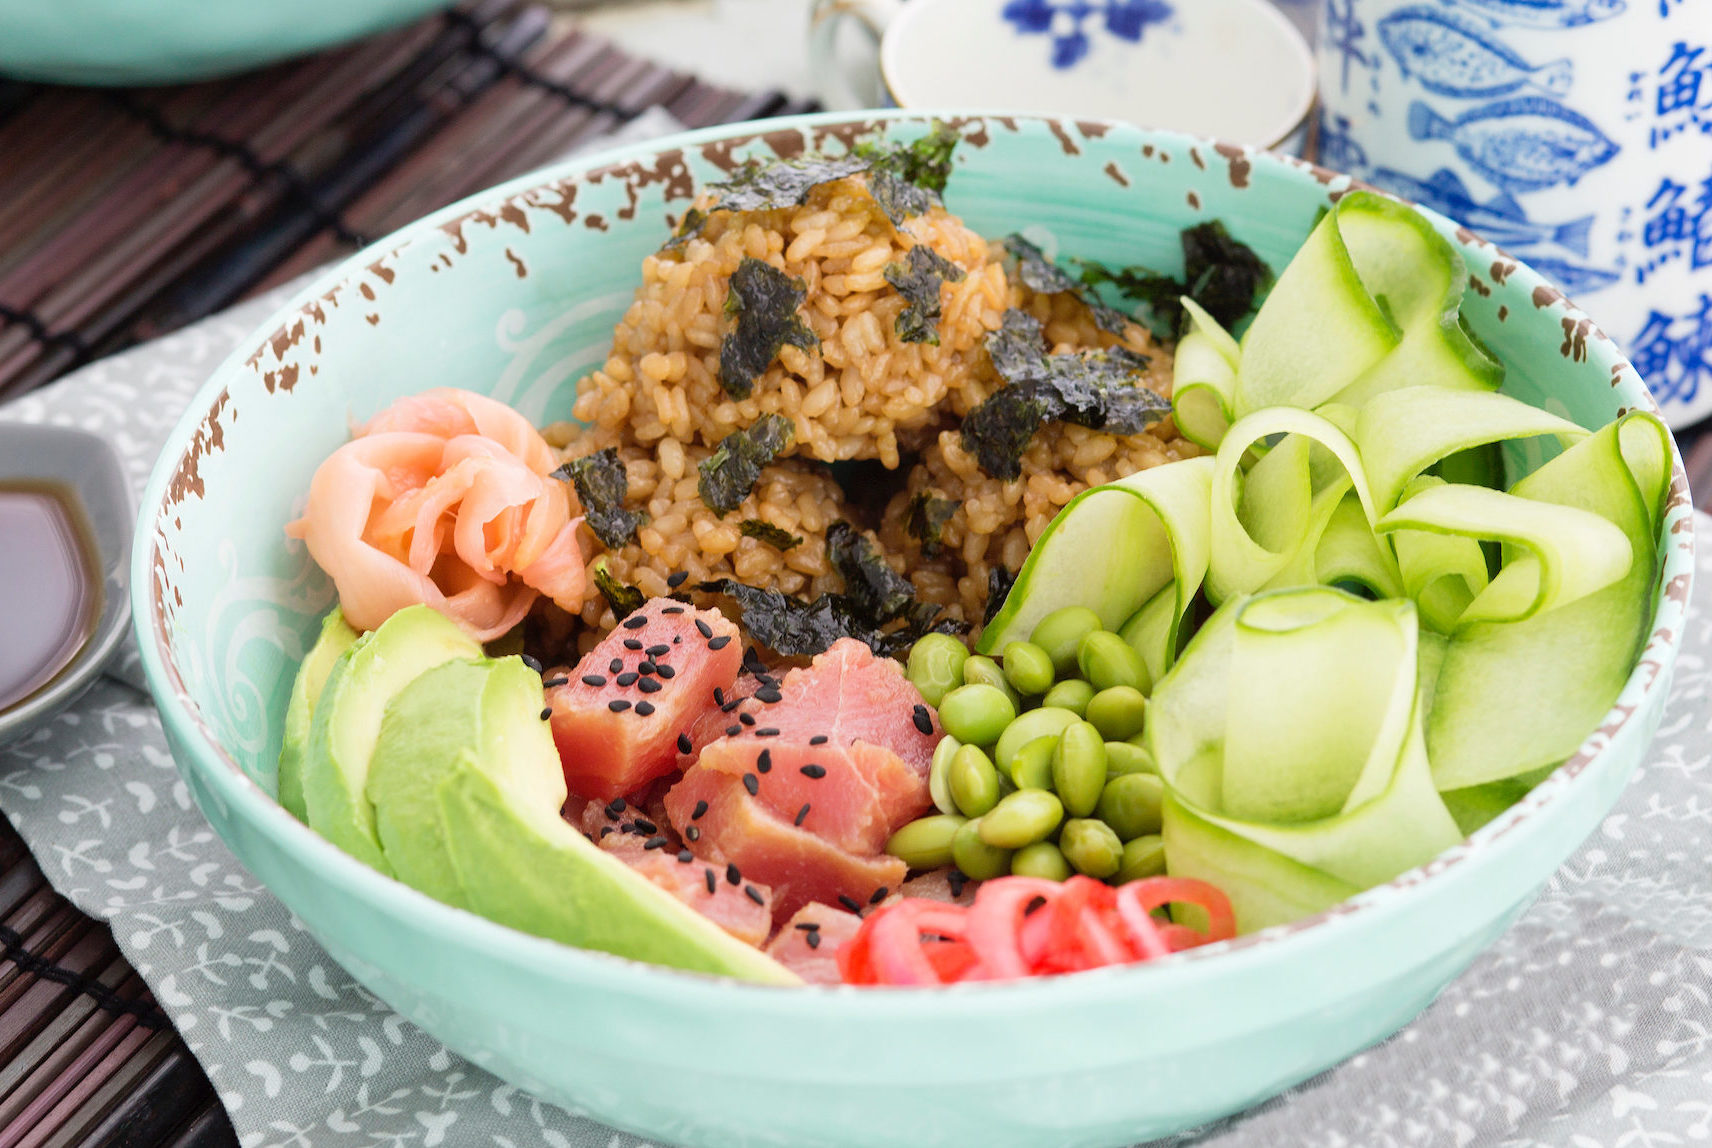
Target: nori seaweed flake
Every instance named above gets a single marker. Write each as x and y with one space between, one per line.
775 536
999 583
624 600
730 472
1038 273
601 488
909 179
1093 388
918 278
881 592
763 303
925 518
1222 274
782 183
792 627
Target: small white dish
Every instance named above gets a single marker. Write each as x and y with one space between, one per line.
84 466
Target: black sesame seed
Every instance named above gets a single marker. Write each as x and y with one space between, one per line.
754 894
712 882
632 644
665 671
923 720
746 719
733 874
815 771
730 705
818 739
646 826
720 642
546 712
769 695
616 807
764 762
767 731
618 705
879 895
703 628
956 880
685 856
655 842
678 579
813 940
692 834
849 903
604 830
656 651
733 730
628 678
802 815
645 667
677 638
554 683
700 810
718 696
807 926
645 708
615 665
685 745
673 610
649 686
533 663
752 784
595 680
635 622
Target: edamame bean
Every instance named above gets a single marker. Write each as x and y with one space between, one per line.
1118 713
983 671
1043 860
1106 660
1072 694
975 858
1026 816
976 715
1031 768
939 774
1035 723
1028 668
1091 847
936 666
1079 768
974 782
1060 634
1130 805
925 843
1143 857
1125 757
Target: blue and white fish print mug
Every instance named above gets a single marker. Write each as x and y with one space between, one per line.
1237 70
1576 134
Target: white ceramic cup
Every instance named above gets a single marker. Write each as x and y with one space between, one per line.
1576 134
1237 70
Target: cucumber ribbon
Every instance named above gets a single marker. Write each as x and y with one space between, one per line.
1400 646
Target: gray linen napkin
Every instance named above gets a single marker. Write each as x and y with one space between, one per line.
1588 1025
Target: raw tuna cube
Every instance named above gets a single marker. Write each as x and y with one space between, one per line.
808 943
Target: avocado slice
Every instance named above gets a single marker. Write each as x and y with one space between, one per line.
336 637
347 720
467 787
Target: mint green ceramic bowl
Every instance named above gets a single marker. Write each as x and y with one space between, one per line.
172 41
515 293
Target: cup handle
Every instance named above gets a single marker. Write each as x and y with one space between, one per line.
837 90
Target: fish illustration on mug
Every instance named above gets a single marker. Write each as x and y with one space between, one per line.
1546 13
1523 144
1500 219
1451 56
1573 278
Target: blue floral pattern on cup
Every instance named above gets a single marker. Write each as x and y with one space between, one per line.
1067 22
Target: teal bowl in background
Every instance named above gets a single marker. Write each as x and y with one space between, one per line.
514 293
125 42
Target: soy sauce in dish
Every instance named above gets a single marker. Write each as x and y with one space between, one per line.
50 593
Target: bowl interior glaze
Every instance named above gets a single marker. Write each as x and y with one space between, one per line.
515 293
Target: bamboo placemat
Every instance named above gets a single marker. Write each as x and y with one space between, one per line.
125 214
128 213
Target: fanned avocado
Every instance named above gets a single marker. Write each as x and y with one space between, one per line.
336 637
348 716
466 786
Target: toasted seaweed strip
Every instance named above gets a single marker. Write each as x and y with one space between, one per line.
925 518
909 179
999 583
918 278
879 591
1038 273
1093 388
624 600
793 627
601 487
763 302
688 228
760 186
729 473
1220 273
775 536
